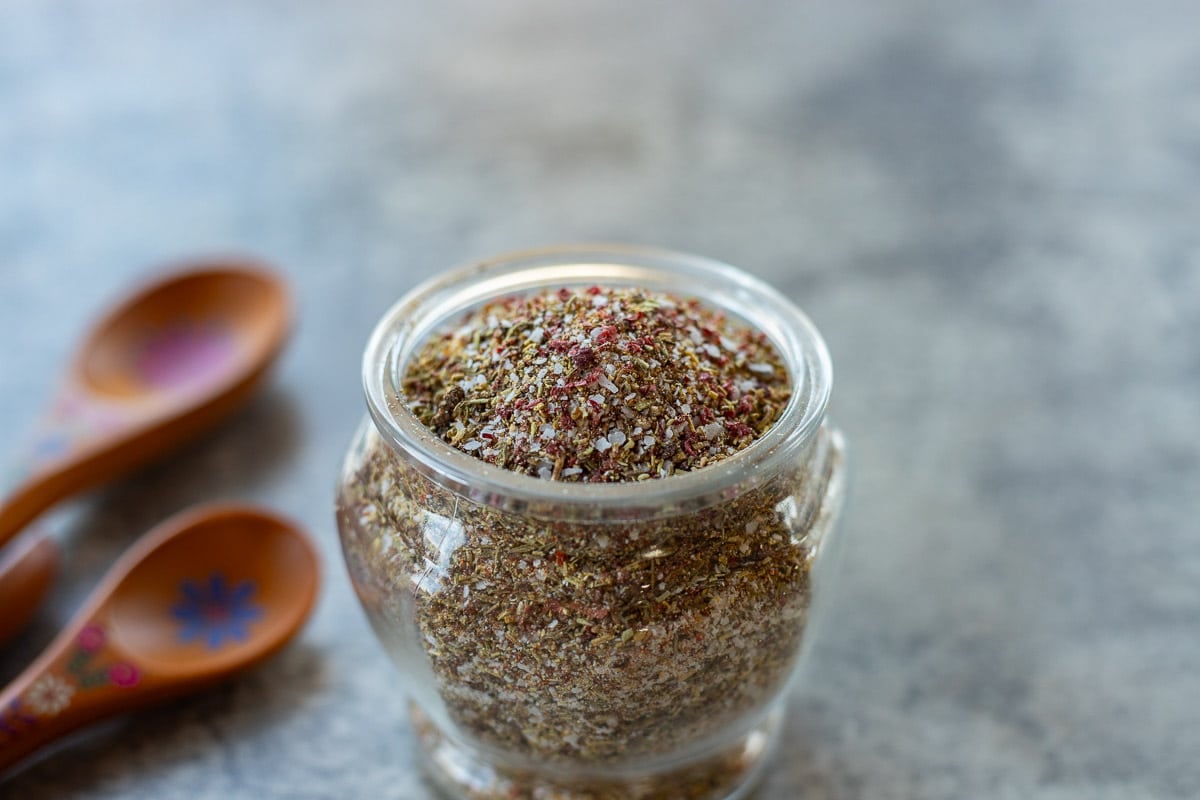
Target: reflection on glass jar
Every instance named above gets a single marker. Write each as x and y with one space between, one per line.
581 640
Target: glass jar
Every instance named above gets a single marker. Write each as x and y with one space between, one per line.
581 640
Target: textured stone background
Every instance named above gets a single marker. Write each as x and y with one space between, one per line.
990 209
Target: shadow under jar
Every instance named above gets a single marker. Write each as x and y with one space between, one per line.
592 640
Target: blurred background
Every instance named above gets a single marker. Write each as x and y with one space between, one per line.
989 209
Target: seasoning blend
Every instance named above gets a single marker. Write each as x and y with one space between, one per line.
587 519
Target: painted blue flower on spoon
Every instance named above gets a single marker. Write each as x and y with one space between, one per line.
214 611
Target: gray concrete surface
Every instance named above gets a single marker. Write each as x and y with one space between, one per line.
990 210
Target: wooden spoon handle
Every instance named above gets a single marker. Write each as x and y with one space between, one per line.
29 499
81 444
26 572
81 678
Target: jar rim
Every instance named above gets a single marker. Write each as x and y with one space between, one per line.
435 302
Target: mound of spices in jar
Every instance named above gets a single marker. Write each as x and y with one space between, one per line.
598 385
589 642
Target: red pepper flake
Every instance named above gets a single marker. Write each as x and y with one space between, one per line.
560 557
739 429
582 356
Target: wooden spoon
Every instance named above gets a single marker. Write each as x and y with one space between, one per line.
161 368
207 593
26 571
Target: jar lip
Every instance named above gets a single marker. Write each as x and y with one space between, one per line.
439 300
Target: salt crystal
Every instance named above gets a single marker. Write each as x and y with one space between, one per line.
472 444
468 384
608 384
548 431
761 368
537 334
712 351
569 471
599 300
712 430
601 444
616 437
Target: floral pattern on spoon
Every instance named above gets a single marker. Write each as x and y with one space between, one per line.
214 611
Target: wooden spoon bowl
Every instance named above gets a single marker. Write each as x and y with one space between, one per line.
188 333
